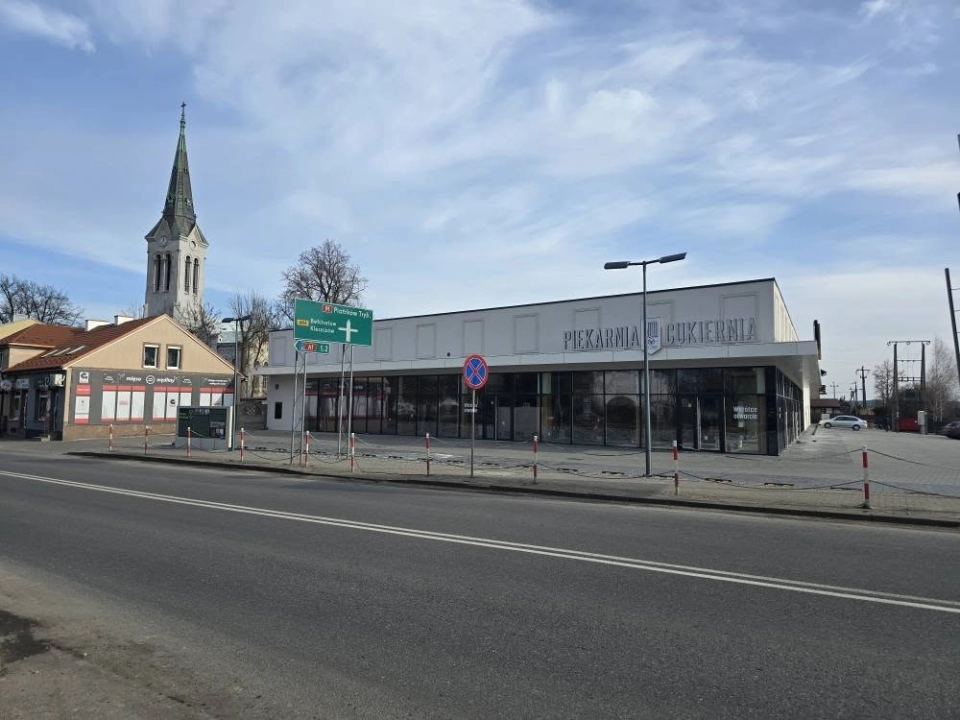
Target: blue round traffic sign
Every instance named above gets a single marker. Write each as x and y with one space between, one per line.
475 372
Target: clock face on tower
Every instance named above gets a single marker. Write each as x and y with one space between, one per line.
162 240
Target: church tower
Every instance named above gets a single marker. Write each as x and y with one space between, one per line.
176 249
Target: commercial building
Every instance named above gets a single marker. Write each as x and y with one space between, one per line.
728 373
68 383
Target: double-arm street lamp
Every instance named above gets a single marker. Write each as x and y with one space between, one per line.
237 324
623 265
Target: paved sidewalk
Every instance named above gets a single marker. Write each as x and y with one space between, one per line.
914 479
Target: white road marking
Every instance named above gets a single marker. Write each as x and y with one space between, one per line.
911 601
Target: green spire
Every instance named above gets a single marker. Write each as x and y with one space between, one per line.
178 208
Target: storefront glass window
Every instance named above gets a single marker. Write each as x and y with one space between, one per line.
428 401
588 419
449 405
622 382
406 405
555 407
663 420
663 382
389 406
525 418
745 416
623 420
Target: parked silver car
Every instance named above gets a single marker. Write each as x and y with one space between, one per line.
845 421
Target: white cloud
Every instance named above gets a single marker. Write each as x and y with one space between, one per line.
872 8
48 23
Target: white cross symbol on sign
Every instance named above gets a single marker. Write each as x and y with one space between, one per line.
348 331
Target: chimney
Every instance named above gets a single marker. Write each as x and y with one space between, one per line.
121 319
91 324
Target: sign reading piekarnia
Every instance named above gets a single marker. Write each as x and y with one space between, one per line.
329 322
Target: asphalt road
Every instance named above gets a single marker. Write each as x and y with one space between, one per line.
339 599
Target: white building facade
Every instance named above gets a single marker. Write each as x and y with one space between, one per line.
728 373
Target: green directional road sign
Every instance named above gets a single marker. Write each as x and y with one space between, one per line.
309 346
327 322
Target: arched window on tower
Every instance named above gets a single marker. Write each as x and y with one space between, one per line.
166 272
156 272
196 275
186 275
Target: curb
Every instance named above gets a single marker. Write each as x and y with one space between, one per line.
591 496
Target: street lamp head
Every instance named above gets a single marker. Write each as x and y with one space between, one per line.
672 258
616 265
227 320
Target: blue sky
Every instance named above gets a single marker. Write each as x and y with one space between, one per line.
470 153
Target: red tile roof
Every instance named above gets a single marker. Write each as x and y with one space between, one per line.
42 335
80 342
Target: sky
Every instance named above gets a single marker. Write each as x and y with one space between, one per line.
479 153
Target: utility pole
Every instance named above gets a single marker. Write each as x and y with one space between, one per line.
862 373
953 313
834 386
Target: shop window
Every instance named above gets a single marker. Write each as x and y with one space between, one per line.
150 355
173 358
42 406
622 382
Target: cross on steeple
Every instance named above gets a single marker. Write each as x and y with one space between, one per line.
183 112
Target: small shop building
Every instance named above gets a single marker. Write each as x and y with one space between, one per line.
728 373
69 383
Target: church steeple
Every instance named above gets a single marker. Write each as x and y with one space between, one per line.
176 248
178 209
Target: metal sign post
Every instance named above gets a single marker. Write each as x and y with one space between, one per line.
343 355
350 405
293 405
475 375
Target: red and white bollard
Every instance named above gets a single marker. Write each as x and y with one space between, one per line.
353 450
676 468
189 444
110 445
535 448
146 438
243 436
428 454
866 479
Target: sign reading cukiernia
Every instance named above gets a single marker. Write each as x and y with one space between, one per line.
327 322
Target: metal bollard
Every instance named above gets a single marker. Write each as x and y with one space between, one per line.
866 479
146 436
243 434
428 454
189 439
110 446
306 457
676 468
535 448
353 450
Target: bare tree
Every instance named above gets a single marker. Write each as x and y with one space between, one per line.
204 322
322 273
883 383
33 300
253 336
941 389
134 310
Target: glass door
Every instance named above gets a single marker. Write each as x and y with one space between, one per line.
711 422
701 422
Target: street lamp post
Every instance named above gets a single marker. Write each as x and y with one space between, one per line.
237 323
622 265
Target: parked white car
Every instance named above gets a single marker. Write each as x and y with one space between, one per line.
845 421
